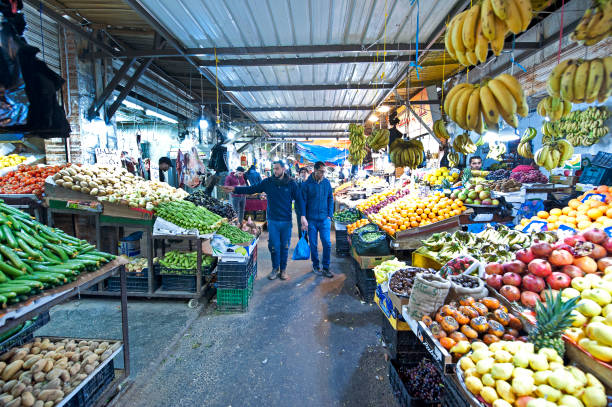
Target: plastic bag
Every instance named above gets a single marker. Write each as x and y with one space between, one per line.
302 249
376 247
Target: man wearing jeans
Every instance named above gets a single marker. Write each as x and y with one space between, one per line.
238 201
281 191
319 209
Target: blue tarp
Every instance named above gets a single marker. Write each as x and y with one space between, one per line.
319 153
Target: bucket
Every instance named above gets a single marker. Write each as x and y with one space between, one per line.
130 245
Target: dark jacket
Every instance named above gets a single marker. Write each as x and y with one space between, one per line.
252 176
280 193
218 158
318 198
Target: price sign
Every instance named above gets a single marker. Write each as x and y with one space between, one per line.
597 197
107 156
535 226
154 170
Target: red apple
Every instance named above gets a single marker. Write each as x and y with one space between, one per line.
560 258
525 255
540 267
571 240
529 299
595 235
558 280
515 266
572 271
512 279
541 249
510 292
495 281
533 283
493 268
543 294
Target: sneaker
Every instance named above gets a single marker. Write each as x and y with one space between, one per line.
273 275
283 275
317 271
327 273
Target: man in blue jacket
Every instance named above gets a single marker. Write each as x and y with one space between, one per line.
281 191
319 209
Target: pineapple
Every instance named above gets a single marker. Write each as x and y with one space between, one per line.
466 177
446 187
553 319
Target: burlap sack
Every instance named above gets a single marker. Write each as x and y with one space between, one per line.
457 291
429 292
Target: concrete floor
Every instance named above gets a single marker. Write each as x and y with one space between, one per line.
308 341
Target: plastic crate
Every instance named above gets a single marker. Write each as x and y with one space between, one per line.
401 392
178 282
91 392
453 396
135 282
26 333
235 275
235 300
402 345
366 282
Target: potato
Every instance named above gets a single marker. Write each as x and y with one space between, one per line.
107 353
75 357
31 361
81 376
27 399
39 403
68 179
64 375
11 369
49 366
7 355
62 363
54 373
26 378
5 399
15 403
104 345
19 355
38 366
2 366
76 368
50 395
91 358
9 385
44 345
39 377
53 384
88 369
17 389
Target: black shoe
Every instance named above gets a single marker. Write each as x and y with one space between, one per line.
317 271
327 273
273 274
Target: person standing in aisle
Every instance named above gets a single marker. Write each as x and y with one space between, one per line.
318 210
238 201
252 176
281 191
301 179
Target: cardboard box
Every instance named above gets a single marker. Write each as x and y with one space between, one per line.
369 262
397 301
564 180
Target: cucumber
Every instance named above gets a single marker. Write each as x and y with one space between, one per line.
3 300
62 278
41 278
19 289
8 236
29 240
3 277
15 224
57 250
25 228
107 256
13 258
7 209
27 249
9 295
48 254
29 283
10 270
64 271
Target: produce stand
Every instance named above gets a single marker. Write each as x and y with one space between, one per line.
40 304
411 239
62 207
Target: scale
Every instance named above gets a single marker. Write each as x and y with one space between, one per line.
600 170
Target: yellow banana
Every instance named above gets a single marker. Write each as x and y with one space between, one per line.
567 82
580 80
448 41
461 109
526 12
513 86
480 126
567 150
497 44
455 102
596 74
555 158
473 110
567 107
580 33
553 84
505 102
606 87
451 94
500 8
482 44
489 106
471 57
457 33
487 17
469 27
514 18
602 26
541 109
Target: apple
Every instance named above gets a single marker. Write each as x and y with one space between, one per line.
477 202
512 279
495 202
514 266
525 255
529 299
533 283
541 249
543 294
478 188
494 268
472 195
469 201
572 271
510 292
558 280
486 202
495 281
539 267
484 195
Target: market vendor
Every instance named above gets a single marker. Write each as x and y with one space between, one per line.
394 133
164 164
475 163
444 150
281 191
238 201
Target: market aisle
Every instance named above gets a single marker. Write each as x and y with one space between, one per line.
308 342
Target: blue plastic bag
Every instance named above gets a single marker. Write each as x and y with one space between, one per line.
302 249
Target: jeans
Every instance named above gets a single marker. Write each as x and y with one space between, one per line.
323 228
238 203
279 237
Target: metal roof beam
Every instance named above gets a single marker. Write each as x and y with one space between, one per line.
281 138
402 48
144 65
306 131
266 88
152 103
108 90
326 108
306 121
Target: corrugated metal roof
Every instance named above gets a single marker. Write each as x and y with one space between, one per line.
244 23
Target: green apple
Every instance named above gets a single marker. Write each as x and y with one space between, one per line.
570 292
581 284
579 318
588 308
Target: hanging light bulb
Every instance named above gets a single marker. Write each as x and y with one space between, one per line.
373 118
383 108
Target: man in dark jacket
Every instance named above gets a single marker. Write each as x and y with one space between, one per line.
281 191
319 209
252 176
300 180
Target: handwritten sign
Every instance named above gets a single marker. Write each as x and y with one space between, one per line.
154 170
106 156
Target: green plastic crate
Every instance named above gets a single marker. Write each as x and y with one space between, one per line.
235 300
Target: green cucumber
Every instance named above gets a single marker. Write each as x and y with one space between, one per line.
10 255
29 240
39 277
27 249
10 295
47 253
62 278
29 283
64 271
19 289
10 270
57 250
15 224
8 236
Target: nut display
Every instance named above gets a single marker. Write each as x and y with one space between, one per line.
508 185
402 280
465 281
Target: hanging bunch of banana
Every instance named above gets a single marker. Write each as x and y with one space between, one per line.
357 150
553 108
470 32
497 151
554 154
378 139
439 129
524 147
595 25
480 141
406 153
473 106
582 81
464 144
551 132
539 5
453 159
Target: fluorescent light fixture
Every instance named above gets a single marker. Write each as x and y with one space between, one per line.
160 116
490 136
131 105
203 124
383 108
373 118
231 134
508 137
438 89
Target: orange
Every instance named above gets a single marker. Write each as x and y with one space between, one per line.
553 226
594 213
524 221
555 211
609 213
419 211
431 215
582 225
427 210
573 213
601 188
573 203
553 218
566 210
403 227
594 203
583 208
542 214
414 224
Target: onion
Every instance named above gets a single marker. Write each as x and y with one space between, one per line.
586 264
607 244
604 263
598 252
595 235
541 249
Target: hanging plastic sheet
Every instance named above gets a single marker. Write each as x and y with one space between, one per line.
319 153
